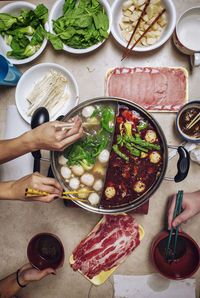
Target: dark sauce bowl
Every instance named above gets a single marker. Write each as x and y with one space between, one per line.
187 258
45 250
184 117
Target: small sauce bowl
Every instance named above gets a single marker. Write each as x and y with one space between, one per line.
184 117
187 258
45 250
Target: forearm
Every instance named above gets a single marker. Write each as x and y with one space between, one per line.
6 190
10 149
9 286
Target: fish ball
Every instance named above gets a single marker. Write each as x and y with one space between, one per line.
98 185
87 179
94 198
74 183
83 195
87 111
62 160
78 170
65 172
104 156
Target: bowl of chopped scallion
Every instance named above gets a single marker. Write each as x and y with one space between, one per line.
23 28
79 26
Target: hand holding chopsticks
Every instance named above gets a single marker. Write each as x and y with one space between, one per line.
177 211
35 193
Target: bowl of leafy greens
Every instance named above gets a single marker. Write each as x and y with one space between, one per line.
23 28
79 26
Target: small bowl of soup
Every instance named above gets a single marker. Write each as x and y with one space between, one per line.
45 250
188 121
187 257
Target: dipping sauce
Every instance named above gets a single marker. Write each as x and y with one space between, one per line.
185 119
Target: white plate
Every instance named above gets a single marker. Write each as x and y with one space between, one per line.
57 12
116 10
35 73
15 9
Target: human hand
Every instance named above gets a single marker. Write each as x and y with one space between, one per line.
48 136
28 274
190 206
38 182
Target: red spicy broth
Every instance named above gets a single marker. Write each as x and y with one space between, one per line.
133 167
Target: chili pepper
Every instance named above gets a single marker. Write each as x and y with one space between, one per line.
132 150
118 152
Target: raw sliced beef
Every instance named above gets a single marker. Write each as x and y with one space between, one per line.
107 245
155 89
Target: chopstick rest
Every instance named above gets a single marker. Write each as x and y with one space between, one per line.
177 211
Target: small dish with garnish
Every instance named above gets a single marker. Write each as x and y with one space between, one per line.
188 121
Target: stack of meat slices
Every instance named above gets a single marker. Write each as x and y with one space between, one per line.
107 246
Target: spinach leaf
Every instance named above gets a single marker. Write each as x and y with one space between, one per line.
55 41
42 13
107 117
6 21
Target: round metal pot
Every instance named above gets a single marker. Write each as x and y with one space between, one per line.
183 163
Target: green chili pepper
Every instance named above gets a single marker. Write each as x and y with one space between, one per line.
132 150
142 125
118 152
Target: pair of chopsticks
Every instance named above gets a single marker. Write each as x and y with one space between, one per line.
68 126
127 50
29 192
177 211
194 121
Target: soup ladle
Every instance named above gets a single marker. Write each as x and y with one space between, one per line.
40 116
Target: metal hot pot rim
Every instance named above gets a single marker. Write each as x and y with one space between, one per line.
183 163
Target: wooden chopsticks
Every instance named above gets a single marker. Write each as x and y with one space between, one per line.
29 192
194 121
127 51
177 211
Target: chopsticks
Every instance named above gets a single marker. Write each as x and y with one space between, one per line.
177 211
127 51
68 126
29 192
194 121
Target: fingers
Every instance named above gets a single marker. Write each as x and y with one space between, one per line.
45 272
183 217
171 212
44 199
46 184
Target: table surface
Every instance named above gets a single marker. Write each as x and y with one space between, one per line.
20 221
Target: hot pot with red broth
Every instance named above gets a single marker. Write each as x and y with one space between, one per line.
121 158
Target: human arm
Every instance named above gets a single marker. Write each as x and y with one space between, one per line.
190 206
46 136
9 285
15 189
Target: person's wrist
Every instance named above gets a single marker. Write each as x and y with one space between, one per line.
22 283
30 141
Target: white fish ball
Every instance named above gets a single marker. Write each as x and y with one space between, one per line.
62 160
83 195
74 183
65 172
94 198
78 170
87 111
98 185
104 156
87 179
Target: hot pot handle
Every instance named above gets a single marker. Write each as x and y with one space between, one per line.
183 165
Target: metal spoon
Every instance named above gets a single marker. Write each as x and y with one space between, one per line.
40 116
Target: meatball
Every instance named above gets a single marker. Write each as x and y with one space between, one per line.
150 136
139 187
87 111
154 157
104 156
78 170
83 195
110 192
87 179
62 160
98 185
74 183
94 198
65 172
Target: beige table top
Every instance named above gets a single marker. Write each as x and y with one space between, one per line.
20 221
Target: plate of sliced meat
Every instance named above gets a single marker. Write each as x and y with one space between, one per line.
111 241
161 89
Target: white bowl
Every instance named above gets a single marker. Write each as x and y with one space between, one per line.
57 12
116 10
35 73
15 8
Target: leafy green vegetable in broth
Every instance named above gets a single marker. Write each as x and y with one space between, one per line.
83 24
17 28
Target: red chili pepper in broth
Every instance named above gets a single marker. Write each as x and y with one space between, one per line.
120 119
131 117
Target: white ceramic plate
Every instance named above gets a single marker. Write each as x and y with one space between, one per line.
35 73
116 10
57 12
15 8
